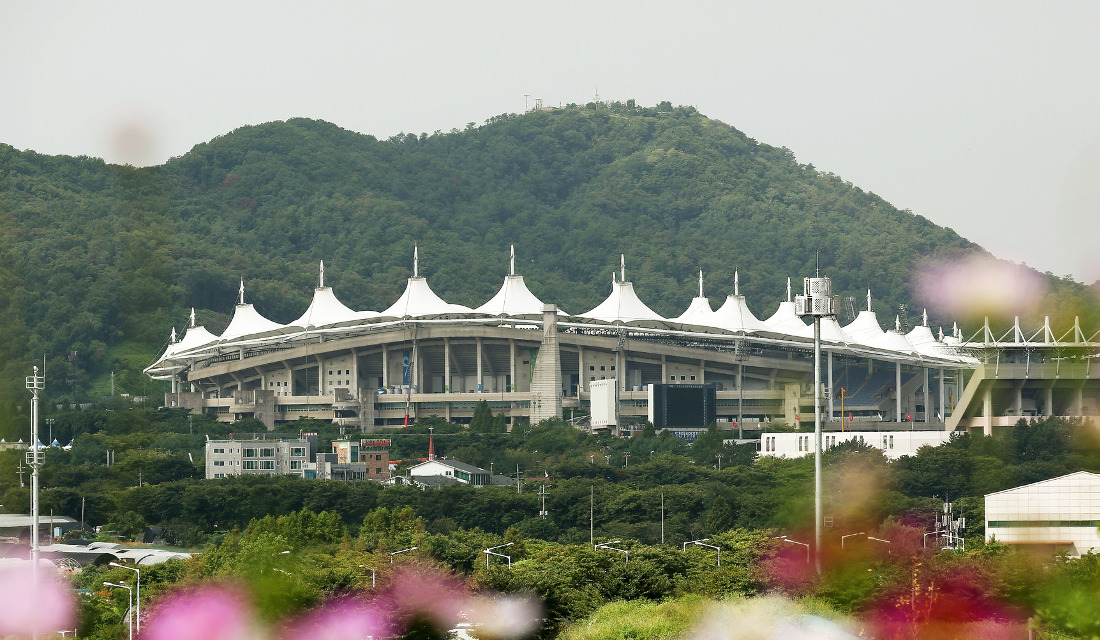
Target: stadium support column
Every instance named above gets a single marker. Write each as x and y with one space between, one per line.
479 366
927 399
511 364
987 410
580 372
447 370
942 414
1048 408
897 390
546 382
385 367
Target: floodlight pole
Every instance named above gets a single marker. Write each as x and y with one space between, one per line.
490 551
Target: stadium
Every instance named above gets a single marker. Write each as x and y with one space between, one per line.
530 361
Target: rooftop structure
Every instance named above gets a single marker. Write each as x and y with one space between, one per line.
1060 515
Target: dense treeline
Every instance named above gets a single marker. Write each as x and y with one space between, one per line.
99 262
648 488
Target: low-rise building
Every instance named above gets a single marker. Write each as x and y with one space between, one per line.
263 454
894 444
1060 515
429 473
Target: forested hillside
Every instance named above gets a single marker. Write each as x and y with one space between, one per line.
99 262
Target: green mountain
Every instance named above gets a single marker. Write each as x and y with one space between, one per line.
98 262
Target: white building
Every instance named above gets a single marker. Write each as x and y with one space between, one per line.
894 444
1052 516
460 472
262 454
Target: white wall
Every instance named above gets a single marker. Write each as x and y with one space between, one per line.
894 444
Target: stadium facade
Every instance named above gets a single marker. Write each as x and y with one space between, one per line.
423 356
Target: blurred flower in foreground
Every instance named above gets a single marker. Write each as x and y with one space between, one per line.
505 617
30 609
421 593
205 613
769 617
343 619
978 286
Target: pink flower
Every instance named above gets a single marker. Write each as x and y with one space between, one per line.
206 613
29 608
346 619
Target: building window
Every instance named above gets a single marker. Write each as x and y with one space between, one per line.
267 453
891 442
295 465
672 378
250 453
378 470
612 367
692 377
603 368
298 452
267 464
683 377
249 464
219 463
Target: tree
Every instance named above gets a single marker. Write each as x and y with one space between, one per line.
482 420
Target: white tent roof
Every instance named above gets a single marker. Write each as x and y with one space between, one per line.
419 300
894 341
832 331
623 305
194 338
248 322
865 329
734 315
513 299
786 321
698 312
326 310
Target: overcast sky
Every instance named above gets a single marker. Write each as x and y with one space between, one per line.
980 116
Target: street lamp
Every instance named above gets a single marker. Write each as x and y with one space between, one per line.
878 539
129 610
607 545
138 595
931 533
849 536
702 543
373 575
786 539
488 552
401 551
35 458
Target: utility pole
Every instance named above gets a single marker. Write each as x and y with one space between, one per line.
662 516
542 494
591 513
35 457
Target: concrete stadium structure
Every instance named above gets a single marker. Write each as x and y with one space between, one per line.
423 356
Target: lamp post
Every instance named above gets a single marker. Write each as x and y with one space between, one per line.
373 575
703 543
401 551
786 539
607 545
138 594
849 536
931 533
489 552
129 610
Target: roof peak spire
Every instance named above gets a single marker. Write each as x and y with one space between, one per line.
788 289
924 317
321 279
700 283
622 267
242 290
192 316
416 261
736 284
868 299
512 261
173 335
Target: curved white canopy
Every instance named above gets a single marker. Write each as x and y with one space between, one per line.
419 300
734 315
623 305
832 331
326 309
785 320
513 299
248 322
865 329
697 313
